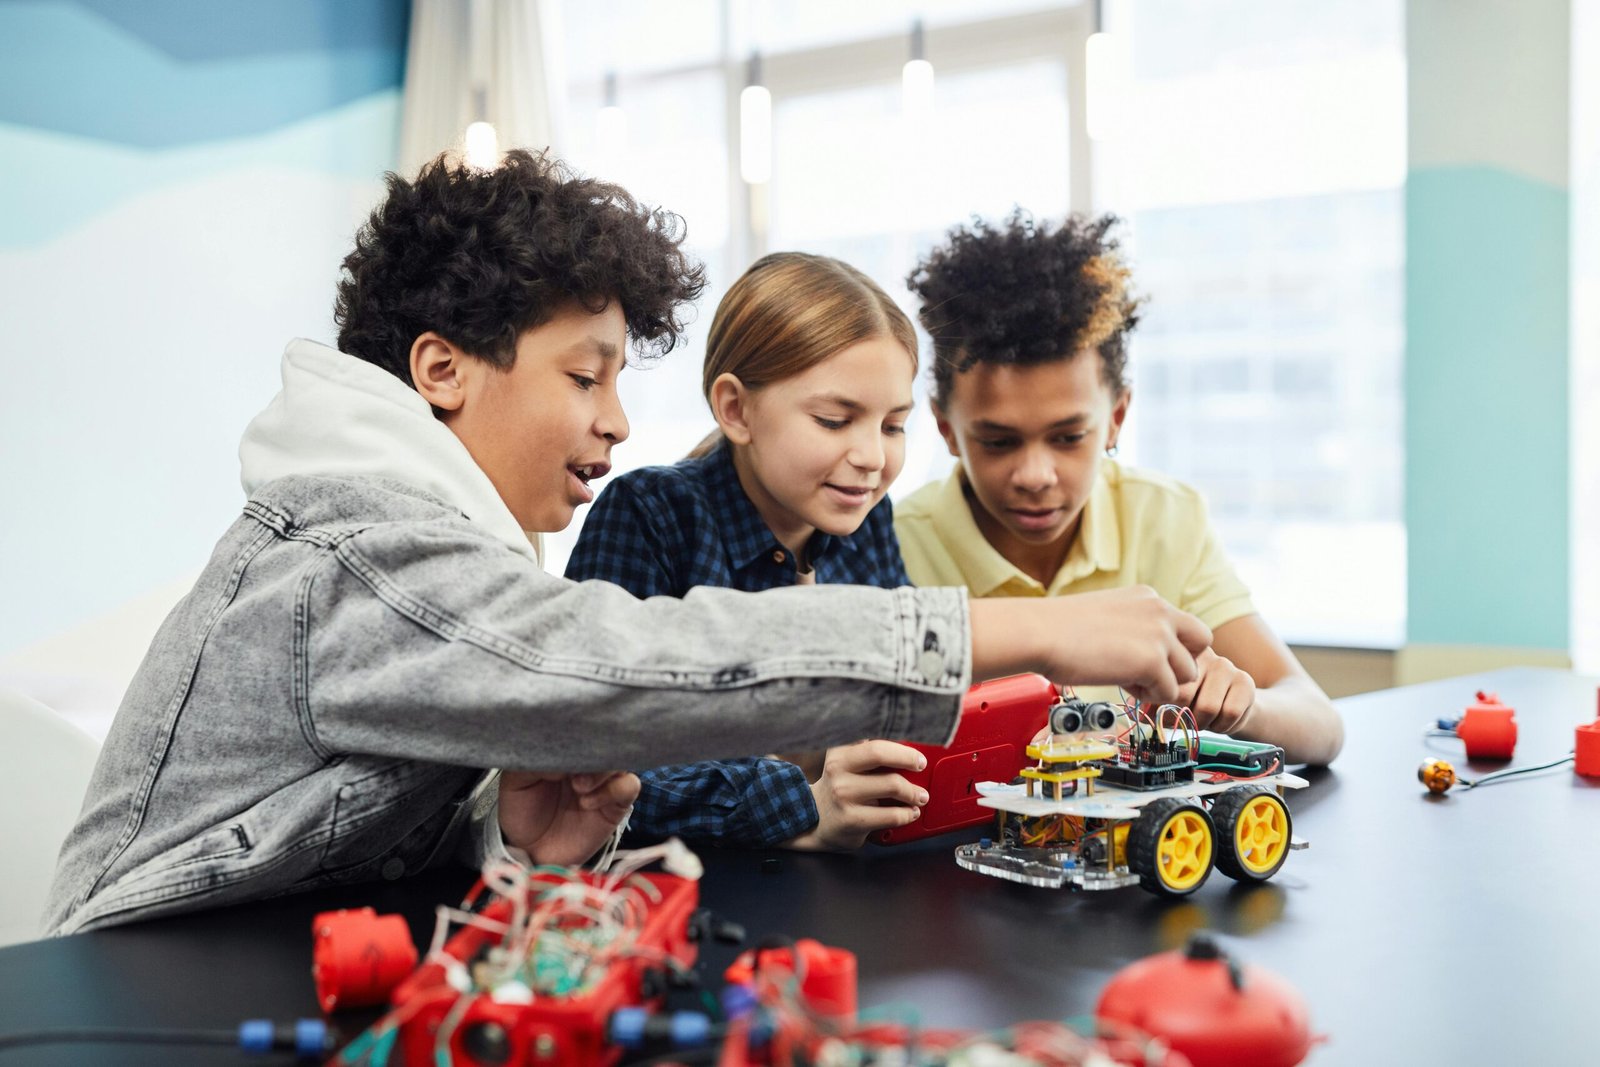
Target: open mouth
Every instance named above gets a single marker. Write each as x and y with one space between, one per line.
850 494
582 474
589 471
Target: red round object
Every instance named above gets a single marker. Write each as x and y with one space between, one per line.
827 975
359 956
1586 750
1488 729
1193 1005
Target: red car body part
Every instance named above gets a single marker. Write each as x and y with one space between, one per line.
1586 749
827 975
998 720
358 957
1488 729
1209 1008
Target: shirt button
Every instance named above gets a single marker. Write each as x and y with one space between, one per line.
393 868
931 665
779 556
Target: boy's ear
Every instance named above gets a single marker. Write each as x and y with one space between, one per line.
1119 412
941 420
730 406
437 371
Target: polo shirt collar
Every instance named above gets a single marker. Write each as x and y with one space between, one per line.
1098 546
746 538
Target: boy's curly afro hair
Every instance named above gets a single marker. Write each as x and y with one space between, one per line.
481 256
1026 293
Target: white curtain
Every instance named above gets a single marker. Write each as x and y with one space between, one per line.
478 59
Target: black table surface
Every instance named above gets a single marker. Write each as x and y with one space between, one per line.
1449 930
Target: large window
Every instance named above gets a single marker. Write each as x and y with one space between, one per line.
853 175
1257 161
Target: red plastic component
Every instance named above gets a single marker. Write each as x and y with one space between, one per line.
1488 728
827 975
551 1031
1193 1004
1586 746
998 719
358 956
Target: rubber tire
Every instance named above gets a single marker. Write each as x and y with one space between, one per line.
1225 812
1144 837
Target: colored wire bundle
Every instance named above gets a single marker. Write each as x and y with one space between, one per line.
562 935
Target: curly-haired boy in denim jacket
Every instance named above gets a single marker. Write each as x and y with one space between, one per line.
375 631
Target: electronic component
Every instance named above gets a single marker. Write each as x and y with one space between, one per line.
1221 752
1075 716
1437 774
1140 809
541 973
1151 757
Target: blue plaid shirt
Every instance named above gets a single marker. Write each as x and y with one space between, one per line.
661 531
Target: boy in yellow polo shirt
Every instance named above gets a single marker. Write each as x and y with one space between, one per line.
1029 324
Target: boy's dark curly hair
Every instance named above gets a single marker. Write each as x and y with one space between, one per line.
481 256
1026 293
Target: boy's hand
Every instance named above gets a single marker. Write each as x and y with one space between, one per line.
563 818
1221 696
1128 637
860 792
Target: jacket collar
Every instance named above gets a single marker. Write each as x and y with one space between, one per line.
340 415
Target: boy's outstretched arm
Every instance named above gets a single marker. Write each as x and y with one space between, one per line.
1252 686
1129 637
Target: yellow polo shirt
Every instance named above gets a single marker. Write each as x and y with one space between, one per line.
1138 528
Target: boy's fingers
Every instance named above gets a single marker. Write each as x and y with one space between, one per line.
1160 688
1241 695
1212 691
523 779
617 790
589 781
1192 634
1182 666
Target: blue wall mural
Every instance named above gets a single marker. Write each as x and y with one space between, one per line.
182 179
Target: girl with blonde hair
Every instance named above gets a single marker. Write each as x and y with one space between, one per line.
808 372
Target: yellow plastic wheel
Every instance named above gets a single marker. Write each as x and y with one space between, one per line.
1171 846
1255 824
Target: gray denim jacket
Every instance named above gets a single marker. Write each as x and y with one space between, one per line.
322 705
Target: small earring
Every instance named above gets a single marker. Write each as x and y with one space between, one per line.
1111 450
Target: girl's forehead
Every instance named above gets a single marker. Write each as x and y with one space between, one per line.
868 376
